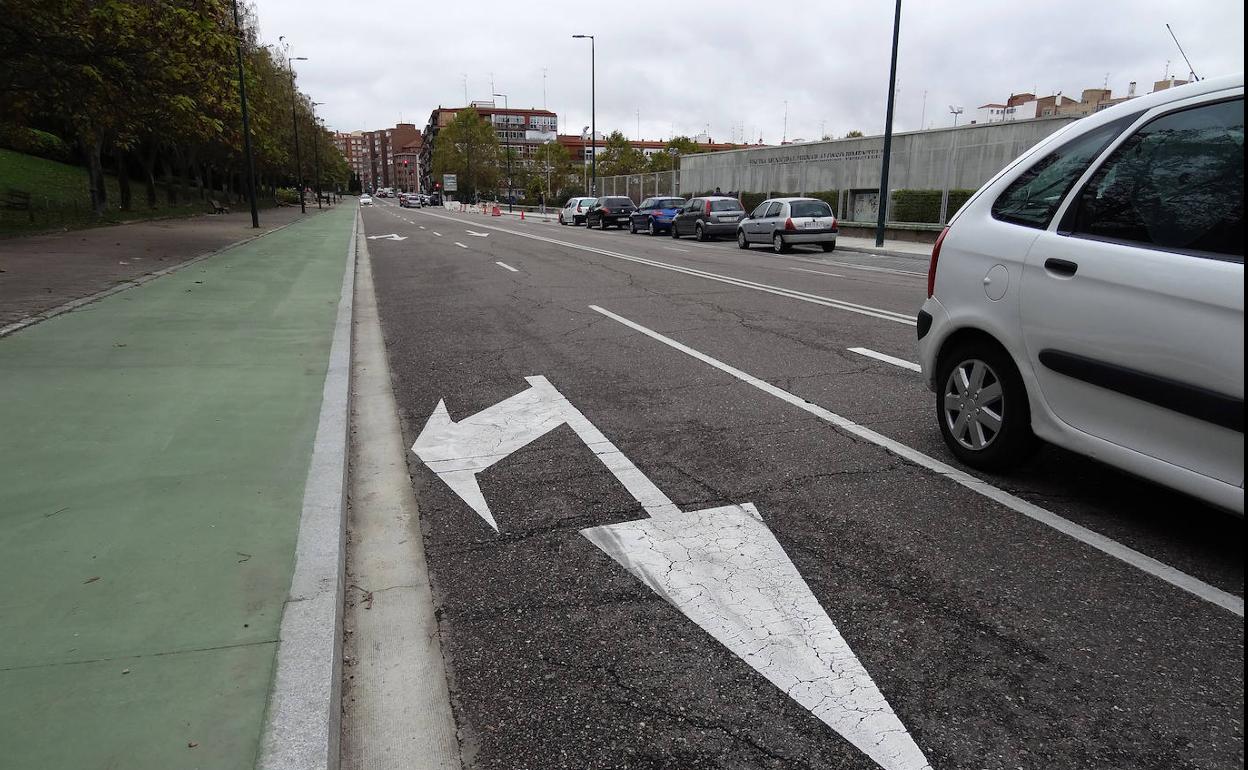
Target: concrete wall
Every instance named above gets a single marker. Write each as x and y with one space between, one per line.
919 160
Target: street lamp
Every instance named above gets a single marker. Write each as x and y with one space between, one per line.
593 130
953 147
242 98
294 120
507 146
316 163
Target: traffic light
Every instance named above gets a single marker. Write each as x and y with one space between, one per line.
437 185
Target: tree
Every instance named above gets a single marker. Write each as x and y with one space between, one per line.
468 147
618 156
552 166
853 134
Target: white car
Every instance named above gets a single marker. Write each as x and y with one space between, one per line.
574 211
1092 295
366 200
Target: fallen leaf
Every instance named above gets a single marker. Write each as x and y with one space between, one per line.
191 744
91 580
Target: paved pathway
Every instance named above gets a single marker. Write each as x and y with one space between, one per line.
154 448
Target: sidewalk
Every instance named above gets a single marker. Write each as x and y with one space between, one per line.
40 272
154 448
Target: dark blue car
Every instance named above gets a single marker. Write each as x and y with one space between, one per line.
654 215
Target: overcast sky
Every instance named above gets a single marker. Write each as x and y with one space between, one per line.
731 66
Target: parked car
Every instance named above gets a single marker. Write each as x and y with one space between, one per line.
611 210
1092 295
573 212
366 200
784 222
435 199
409 200
708 217
654 215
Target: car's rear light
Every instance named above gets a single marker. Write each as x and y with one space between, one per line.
834 221
606 210
708 208
788 224
931 266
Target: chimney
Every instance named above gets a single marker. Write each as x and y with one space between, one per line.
1131 89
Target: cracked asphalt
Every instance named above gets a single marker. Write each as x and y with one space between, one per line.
999 643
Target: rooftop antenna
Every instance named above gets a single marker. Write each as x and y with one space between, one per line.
543 88
465 77
1189 69
785 134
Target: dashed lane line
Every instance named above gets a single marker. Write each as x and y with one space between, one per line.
878 356
462 246
816 272
1108 546
506 266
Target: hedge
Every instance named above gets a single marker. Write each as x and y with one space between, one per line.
32 141
924 205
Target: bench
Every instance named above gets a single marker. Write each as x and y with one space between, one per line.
17 200
217 208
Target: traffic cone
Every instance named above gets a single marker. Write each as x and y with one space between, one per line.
497 212
521 215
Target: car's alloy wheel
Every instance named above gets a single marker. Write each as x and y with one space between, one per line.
650 229
675 232
974 404
982 406
701 232
632 227
742 243
777 244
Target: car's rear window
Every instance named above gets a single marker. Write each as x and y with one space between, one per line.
669 203
618 201
725 206
809 209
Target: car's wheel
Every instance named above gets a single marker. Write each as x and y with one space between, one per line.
828 246
700 232
675 232
632 226
742 243
778 245
650 229
982 406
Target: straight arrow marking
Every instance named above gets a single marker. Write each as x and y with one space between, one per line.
479 235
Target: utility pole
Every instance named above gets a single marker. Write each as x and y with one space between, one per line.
316 163
593 127
953 147
242 98
882 217
507 145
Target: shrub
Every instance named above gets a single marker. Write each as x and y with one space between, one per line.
924 205
32 141
750 200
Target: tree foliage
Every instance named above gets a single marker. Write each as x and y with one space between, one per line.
618 156
153 86
468 147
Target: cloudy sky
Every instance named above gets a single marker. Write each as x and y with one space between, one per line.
731 66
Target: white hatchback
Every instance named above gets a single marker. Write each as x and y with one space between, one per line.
575 211
1092 295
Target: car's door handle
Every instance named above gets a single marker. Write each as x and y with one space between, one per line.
1060 266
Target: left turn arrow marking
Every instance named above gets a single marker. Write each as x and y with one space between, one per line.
390 237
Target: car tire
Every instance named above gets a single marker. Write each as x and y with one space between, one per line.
700 232
742 243
651 230
977 379
632 226
829 246
675 232
778 245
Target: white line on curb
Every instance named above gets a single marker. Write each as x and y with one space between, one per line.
506 266
869 353
1100 542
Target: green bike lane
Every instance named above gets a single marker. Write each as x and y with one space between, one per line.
154 448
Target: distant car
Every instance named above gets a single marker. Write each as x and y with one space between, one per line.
784 222
655 215
708 217
435 199
611 210
366 200
1092 295
573 212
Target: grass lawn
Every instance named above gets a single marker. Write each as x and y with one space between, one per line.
60 197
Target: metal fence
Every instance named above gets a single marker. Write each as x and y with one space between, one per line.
641 186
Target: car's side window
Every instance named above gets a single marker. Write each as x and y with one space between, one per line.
759 212
774 209
1176 184
1033 198
693 205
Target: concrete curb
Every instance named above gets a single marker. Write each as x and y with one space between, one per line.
302 723
884 252
74 304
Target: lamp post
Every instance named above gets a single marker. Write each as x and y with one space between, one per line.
294 120
593 129
888 133
953 146
316 163
242 98
507 145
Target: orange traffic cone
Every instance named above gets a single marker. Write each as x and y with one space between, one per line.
497 212
521 215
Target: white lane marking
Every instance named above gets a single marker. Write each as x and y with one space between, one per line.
721 567
390 237
506 266
673 248
816 272
870 268
874 312
477 234
904 364
1106 545
462 246
422 227
435 232
458 451
725 570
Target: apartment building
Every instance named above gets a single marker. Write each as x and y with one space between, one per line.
522 129
376 157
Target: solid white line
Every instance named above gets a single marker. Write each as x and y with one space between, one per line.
506 266
462 246
874 312
904 364
816 272
893 271
1084 535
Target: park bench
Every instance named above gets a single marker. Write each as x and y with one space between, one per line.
17 200
217 208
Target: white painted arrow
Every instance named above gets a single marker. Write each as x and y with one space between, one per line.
479 235
390 237
721 567
725 570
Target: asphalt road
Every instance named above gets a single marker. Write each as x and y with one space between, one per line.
997 641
